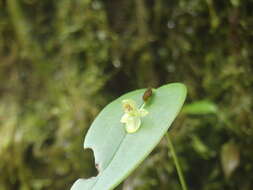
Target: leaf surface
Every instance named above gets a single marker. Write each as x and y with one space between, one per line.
117 153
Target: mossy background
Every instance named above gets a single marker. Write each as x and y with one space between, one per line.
62 61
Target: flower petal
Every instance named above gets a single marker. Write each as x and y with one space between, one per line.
124 118
133 124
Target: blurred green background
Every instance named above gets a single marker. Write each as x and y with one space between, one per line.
62 61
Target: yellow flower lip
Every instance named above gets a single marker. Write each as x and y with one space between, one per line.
132 115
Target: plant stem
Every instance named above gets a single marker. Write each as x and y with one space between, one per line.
175 159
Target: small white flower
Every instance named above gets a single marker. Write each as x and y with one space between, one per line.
132 116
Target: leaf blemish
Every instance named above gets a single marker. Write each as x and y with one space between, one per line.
92 157
97 167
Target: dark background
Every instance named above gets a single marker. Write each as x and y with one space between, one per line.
62 61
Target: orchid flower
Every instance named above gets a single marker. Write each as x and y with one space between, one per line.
132 115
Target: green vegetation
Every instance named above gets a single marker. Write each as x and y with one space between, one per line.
117 152
62 61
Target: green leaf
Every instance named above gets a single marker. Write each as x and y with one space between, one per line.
200 107
118 153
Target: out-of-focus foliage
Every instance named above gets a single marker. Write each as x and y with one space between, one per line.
62 61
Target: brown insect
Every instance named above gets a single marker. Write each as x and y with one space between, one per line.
147 94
